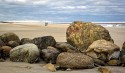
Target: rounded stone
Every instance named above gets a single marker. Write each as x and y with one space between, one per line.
25 53
9 36
74 60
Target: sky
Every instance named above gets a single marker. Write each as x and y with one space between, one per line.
63 10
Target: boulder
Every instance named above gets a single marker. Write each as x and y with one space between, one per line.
104 70
49 55
13 44
26 40
65 47
44 42
123 46
104 50
50 67
2 43
9 36
25 53
74 60
113 62
122 55
82 34
5 52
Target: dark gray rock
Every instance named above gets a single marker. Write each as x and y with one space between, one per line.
49 55
65 47
2 43
26 40
44 42
122 55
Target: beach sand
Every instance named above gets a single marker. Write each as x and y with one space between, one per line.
58 31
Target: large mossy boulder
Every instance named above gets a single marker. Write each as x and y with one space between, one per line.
9 36
25 53
83 34
74 60
44 42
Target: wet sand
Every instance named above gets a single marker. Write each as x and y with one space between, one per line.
59 33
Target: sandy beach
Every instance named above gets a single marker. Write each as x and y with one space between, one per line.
58 31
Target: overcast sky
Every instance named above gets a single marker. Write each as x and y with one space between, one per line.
63 10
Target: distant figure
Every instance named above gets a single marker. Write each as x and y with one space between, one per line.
46 23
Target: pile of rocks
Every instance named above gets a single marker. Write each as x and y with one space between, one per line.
88 45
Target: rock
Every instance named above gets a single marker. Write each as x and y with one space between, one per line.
98 59
5 51
82 34
92 54
2 43
6 37
50 67
49 55
104 70
74 60
44 42
98 62
123 47
105 50
115 55
2 60
26 40
122 56
64 47
25 53
113 62
13 44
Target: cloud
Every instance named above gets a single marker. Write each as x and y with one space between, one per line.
27 2
56 9
70 7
